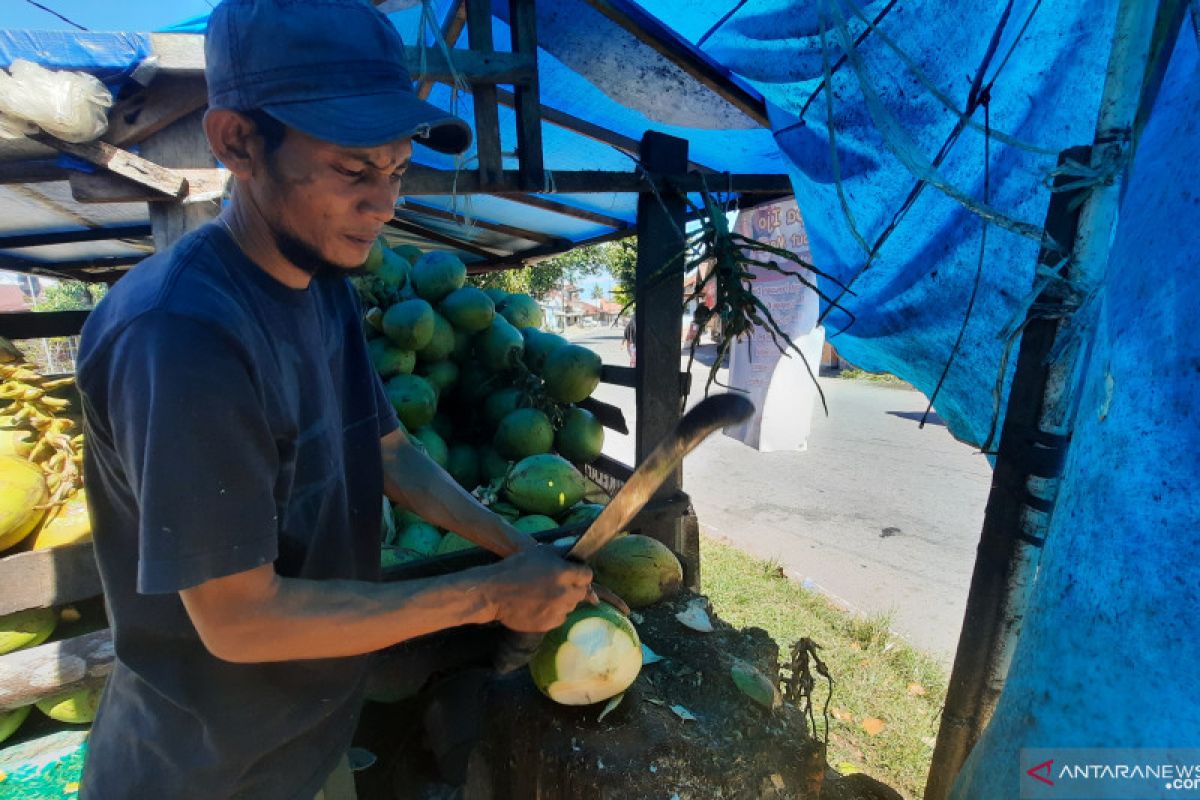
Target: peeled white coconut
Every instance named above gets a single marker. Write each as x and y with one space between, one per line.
593 656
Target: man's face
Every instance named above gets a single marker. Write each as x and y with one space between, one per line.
326 203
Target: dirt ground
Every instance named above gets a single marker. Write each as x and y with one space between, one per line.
683 730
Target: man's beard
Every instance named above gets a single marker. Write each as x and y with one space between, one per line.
302 254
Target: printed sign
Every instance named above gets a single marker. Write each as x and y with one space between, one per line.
779 385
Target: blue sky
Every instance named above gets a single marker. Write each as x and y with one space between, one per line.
98 15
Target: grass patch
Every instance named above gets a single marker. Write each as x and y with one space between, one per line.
876 676
856 374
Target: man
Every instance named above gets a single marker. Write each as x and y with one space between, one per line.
238 440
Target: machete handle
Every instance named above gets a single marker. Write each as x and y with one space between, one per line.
515 650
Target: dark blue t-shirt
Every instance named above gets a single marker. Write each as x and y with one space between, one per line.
231 422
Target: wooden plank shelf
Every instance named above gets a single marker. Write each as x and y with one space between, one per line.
45 578
27 676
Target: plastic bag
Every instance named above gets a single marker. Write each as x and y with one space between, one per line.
70 105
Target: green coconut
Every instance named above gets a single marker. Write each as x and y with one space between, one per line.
437 274
395 556
521 310
409 252
492 465
420 537
441 343
11 720
496 294
442 423
403 517
499 347
28 628
414 399
571 373
544 484
463 465
502 402
435 446
393 271
538 346
469 309
506 510
524 432
409 324
593 656
74 708
581 437
440 374
535 523
388 359
375 255
452 543
640 570
581 514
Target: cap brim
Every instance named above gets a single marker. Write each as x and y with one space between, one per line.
375 119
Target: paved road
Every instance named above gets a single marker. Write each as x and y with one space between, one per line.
879 514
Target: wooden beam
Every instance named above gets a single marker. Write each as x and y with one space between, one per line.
27 676
144 113
99 187
522 21
31 172
533 201
158 179
531 256
58 575
701 68
476 66
421 180
36 325
182 55
487 115
182 144
589 129
658 316
438 236
609 415
75 265
627 376
507 230
452 27
70 237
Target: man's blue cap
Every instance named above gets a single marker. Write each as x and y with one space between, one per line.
334 69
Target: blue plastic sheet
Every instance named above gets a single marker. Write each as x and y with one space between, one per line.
908 250
111 57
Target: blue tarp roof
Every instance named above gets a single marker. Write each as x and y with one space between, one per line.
720 137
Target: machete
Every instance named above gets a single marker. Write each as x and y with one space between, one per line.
706 417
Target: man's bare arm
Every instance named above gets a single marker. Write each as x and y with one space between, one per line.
417 483
258 616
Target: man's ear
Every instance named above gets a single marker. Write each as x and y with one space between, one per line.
234 140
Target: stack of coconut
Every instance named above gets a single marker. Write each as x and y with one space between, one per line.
492 398
42 505
484 391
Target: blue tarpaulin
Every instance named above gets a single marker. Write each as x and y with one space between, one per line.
921 138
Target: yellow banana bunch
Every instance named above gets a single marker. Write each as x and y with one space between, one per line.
34 425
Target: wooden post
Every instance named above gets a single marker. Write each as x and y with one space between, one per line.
181 144
522 20
483 96
658 317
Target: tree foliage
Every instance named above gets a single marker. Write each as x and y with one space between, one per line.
612 257
70 296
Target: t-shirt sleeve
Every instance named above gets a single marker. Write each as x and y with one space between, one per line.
388 421
189 424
